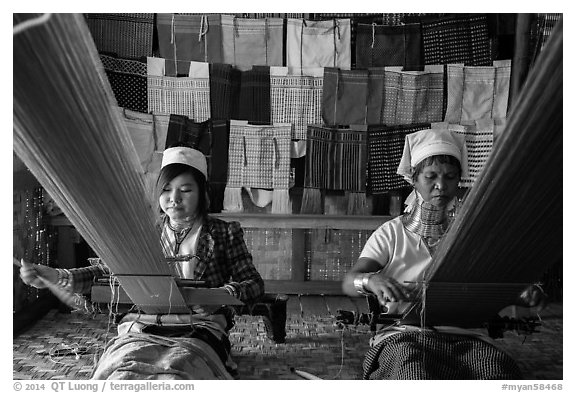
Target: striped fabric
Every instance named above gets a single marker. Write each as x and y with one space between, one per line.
247 42
185 131
187 96
385 148
254 97
336 158
409 96
185 38
383 96
432 355
318 43
380 46
477 92
128 81
479 138
296 97
259 155
125 35
224 91
457 39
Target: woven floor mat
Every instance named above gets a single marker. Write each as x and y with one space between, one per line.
313 344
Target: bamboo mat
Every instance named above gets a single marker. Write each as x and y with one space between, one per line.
314 343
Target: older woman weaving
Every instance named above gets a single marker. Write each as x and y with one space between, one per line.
398 253
181 346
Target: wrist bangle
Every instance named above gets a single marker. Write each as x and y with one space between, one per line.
359 283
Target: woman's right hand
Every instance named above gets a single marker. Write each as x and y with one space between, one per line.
37 275
387 289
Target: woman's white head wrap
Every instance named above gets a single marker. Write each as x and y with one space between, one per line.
426 143
187 156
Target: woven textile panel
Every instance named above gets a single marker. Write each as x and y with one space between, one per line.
383 96
271 251
318 43
296 97
385 148
336 158
224 91
331 253
477 92
457 39
187 96
126 35
248 42
259 156
185 38
479 139
128 81
380 46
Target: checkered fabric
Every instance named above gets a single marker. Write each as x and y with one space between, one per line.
254 97
195 135
185 38
479 138
296 97
336 157
247 42
432 355
379 46
125 35
218 164
457 39
187 96
318 43
475 93
259 155
128 81
224 91
385 148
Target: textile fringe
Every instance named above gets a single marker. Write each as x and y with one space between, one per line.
357 204
233 200
281 202
311 201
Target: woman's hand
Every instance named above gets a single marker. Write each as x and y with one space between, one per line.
37 275
387 289
533 296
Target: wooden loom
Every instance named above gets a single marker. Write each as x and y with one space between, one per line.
68 133
509 231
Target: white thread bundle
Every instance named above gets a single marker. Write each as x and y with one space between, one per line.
68 133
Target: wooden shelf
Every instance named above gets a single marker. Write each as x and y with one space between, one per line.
287 221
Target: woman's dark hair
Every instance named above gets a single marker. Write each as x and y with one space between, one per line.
438 159
170 171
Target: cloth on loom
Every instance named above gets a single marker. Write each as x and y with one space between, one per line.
143 356
318 43
296 97
211 138
188 96
457 39
383 96
224 91
335 160
385 148
431 355
254 97
128 81
475 93
248 42
479 139
185 38
259 158
380 46
126 35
